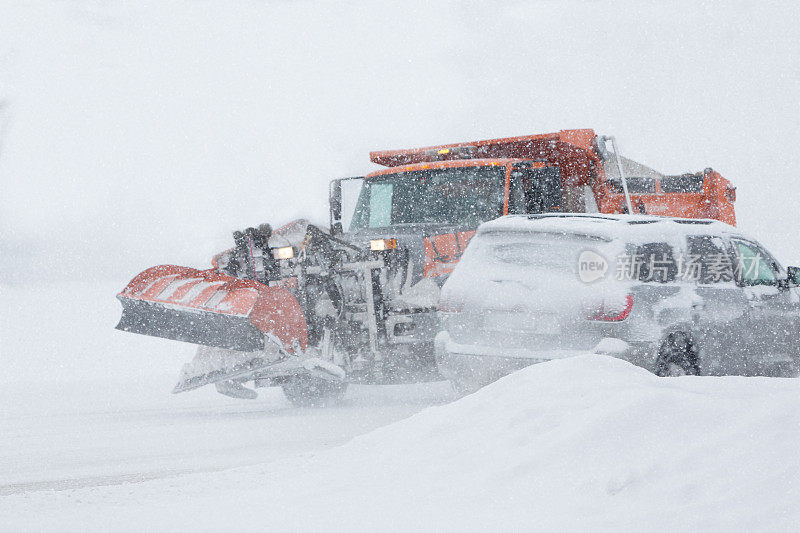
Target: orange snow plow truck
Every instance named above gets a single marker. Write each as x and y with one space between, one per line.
312 309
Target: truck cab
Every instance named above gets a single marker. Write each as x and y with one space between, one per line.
441 203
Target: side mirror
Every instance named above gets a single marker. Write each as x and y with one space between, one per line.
335 203
792 277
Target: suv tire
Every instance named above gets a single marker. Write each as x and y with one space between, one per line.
677 356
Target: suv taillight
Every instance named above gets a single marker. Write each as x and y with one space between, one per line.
612 313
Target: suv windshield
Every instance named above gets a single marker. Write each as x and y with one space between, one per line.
465 196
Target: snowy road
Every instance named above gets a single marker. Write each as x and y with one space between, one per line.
84 405
91 439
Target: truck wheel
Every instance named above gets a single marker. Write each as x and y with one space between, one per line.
305 391
677 356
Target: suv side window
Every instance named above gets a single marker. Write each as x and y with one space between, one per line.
708 261
656 262
754 266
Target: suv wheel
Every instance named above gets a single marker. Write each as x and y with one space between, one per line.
677 356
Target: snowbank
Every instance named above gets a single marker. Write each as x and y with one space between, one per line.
584 443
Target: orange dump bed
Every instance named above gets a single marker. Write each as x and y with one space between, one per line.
583 164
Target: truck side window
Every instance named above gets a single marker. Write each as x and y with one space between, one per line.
682 183
535 190
380 205
636 185
753 266
708 261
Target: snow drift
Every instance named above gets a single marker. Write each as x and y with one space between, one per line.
588 442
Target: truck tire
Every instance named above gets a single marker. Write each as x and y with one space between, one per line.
677 356
306 391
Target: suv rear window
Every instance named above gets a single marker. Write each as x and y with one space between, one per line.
540 250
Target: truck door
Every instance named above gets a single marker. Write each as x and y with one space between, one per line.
535 188
343 196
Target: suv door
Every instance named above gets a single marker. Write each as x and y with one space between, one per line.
722 310
772 309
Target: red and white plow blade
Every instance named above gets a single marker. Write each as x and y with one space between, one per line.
212 309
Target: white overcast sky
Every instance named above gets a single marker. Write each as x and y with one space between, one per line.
141 134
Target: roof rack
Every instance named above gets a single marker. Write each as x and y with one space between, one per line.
536 216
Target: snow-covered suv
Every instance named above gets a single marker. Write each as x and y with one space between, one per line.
676 296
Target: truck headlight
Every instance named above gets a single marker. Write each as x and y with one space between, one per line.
380 245
286 252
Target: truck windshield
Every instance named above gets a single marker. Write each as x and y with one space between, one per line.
465 196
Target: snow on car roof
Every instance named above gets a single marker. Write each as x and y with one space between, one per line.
639 228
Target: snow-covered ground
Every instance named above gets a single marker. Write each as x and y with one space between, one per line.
82 404
589 443
92 439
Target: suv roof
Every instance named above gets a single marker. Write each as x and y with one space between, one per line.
609 227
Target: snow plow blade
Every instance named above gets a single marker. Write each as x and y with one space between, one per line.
210 329
212 309
260 366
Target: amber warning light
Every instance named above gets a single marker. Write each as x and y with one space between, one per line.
453 152
381 245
